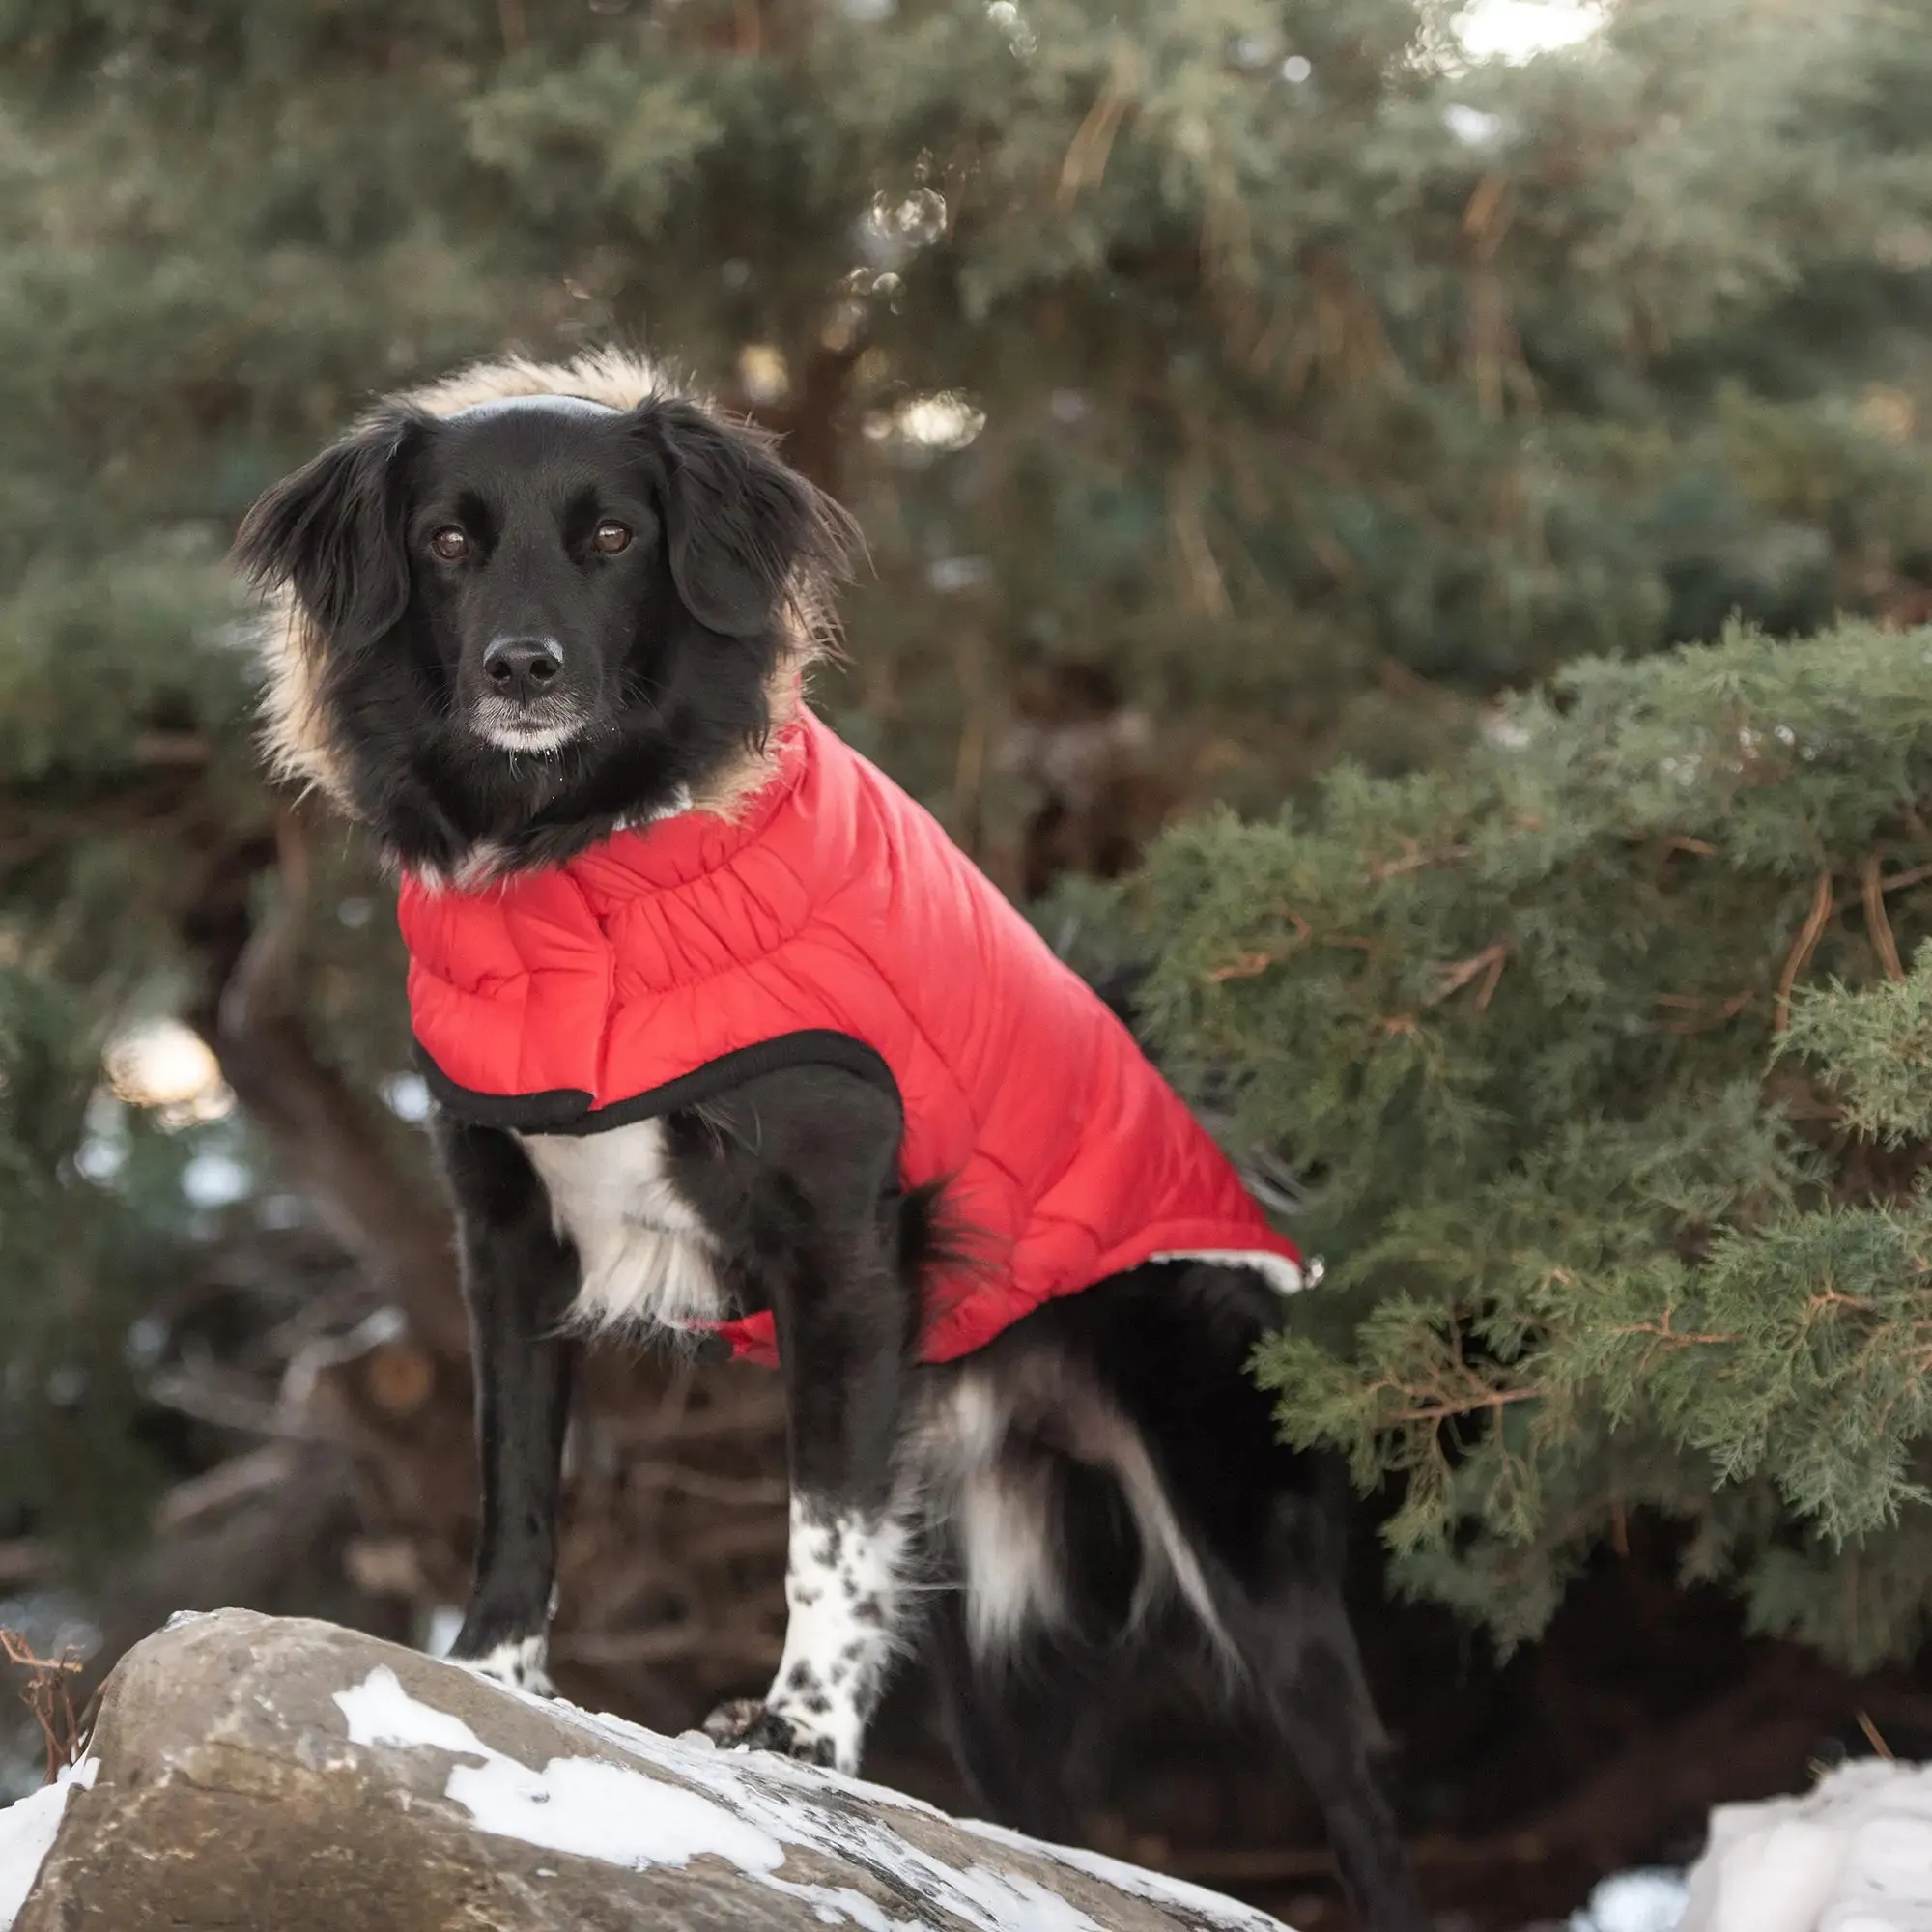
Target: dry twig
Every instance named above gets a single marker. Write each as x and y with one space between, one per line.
46 1695
1244 967
1086 160
1488 965
1876 922
1808 936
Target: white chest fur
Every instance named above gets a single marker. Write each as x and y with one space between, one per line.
647 1259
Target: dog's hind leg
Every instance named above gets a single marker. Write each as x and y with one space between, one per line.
1044 1568
519 1279
1017 1724
1169 1346
1294 1638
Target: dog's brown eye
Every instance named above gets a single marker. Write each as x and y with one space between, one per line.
450 544
611 538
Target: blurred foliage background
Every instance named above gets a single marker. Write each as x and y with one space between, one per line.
1241 399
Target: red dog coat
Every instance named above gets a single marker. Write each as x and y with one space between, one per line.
832 920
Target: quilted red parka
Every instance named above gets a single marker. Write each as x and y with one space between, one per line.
831 920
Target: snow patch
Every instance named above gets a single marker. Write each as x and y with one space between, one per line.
1640 1901
27 1834
1852 1855
746 1809
378 1711
1156 1888
596 1811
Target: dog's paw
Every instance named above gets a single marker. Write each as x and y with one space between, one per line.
518 1664
748 1723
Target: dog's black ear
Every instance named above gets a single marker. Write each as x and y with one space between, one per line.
334 533
739 525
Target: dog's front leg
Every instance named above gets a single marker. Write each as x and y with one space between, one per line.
846 1322
846 1553
842 1602
519 1279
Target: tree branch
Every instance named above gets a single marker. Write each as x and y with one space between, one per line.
326 1138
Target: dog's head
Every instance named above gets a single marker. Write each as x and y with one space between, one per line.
509 624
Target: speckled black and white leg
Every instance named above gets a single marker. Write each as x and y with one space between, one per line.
807 1180
520 1662
843 1594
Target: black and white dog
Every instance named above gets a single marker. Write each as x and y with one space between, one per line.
519 611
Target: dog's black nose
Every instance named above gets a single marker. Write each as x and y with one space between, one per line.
523 667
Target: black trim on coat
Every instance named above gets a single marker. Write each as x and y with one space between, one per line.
567 1109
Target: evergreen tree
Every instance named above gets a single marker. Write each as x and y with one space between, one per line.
1603 1054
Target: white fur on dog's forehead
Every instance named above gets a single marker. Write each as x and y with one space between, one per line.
296 732
617 380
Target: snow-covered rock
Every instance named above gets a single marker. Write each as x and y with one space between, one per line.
1638 1901
249 1771
1852 1855
27 1834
